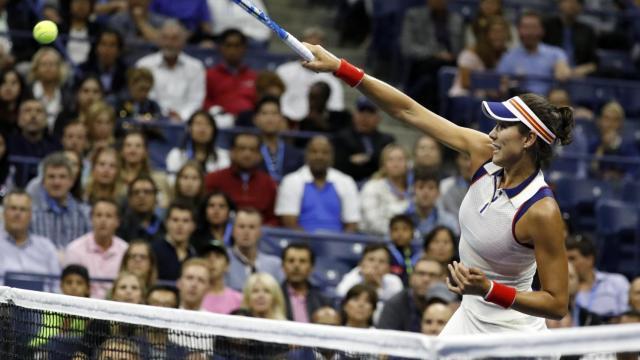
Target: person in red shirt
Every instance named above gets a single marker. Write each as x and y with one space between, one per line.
231 84
247 185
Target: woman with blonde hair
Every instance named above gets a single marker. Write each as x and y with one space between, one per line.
47 75
388 192
262 297
139 259
101 124
104 180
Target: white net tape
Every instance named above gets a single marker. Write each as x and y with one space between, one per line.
588 340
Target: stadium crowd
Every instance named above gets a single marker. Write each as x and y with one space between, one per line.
83 199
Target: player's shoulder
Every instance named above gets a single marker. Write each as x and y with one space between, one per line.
543 211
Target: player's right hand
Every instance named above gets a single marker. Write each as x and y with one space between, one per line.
324 60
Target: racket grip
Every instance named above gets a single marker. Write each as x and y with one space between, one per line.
300 49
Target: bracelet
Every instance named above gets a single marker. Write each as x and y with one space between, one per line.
349 73
502 295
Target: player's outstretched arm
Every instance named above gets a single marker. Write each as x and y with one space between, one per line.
403 108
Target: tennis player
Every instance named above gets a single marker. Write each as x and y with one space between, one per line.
510 223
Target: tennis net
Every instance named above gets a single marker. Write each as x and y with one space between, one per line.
36 325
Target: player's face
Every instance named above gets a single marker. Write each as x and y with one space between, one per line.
434 319
401 233
508 144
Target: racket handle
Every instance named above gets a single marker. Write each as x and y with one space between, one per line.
297 46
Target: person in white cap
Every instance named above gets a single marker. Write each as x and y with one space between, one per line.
510 223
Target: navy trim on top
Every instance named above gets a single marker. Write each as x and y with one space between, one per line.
542 193
512 192
480 172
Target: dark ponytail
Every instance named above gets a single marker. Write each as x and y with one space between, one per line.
558 119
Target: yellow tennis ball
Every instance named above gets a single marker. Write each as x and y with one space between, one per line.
45 32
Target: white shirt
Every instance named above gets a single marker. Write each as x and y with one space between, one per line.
52 106
379 205
180 88
177 157
79 45
291 191
225 14
298 80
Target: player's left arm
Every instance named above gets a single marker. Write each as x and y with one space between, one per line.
542 227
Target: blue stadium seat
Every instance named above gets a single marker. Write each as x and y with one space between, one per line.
618 230
615 63
577 199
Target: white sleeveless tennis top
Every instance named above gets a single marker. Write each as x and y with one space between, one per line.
488 216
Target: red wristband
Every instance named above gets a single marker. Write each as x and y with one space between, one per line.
502 295
349 73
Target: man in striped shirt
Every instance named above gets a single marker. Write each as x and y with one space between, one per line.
56 214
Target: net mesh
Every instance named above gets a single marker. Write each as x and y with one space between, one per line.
35 325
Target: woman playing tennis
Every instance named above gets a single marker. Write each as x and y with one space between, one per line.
510 223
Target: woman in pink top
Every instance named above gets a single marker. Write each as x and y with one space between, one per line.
220 298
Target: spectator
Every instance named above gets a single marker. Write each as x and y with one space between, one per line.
87 91
193 283
172 251
56 213
431 38
268 84
74 281
14 47
436 315
135 103
21 250
32 140
577 39
263 298
604 294
6 172
75 137
118 348
358 306
231 84
140 260
317 196
138 24
220 298
245 257
189 187
483 56
100 251
611 142
427 154
163 296
634 294
101 125
139 220
454 188
319 117
403 254
47 75
243 181
326 315
301 298
278 157
75 162
193 14
79 29
488 9
533 58
374 270
227 15
424 209
106 61
199 144
215 220
135 162
388 193
560 97
178 78
361 144
298 81
13 92
104 181
404 310
440 244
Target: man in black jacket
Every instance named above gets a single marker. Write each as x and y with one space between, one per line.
301 298
576 38
360 145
